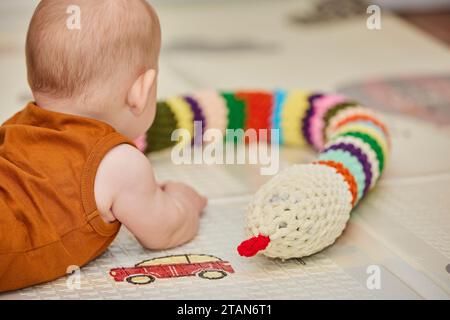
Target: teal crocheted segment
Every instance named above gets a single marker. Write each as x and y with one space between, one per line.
351 163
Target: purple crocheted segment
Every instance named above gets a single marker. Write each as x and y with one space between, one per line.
362 158
198 114
309 114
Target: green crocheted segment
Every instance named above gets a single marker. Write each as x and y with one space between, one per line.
334 111
158 136
236 114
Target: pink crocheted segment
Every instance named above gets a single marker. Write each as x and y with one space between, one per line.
141 143
214 108
321 106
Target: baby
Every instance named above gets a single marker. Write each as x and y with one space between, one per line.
69 173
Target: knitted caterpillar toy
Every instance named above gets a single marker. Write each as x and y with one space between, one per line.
304 208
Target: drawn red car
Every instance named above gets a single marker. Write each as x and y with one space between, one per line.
202 265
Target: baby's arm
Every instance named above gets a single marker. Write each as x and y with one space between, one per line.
160 217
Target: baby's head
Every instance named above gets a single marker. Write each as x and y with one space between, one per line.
105 69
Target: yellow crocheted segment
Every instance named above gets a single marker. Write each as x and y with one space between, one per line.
294 110
183 113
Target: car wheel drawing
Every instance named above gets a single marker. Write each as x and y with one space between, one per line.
212 274
140 279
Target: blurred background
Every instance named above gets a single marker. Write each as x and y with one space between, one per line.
268 44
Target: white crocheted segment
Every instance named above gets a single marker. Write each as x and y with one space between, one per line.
303 210
344 114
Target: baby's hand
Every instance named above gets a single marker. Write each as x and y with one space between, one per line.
186 195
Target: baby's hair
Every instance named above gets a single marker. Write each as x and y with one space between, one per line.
115 37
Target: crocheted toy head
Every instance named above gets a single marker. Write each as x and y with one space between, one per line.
299 212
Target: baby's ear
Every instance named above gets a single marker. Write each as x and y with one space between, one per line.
139 93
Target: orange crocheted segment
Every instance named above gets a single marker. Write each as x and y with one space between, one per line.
366 117
353 187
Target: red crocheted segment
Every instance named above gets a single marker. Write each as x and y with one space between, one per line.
353 187
259 111
252 246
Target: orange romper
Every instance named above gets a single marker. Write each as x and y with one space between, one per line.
48 214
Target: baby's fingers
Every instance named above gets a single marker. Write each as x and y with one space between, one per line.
202 202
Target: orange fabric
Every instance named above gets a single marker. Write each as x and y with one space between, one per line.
48 215
352 186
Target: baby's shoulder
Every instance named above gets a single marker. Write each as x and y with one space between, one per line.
124 162
121 171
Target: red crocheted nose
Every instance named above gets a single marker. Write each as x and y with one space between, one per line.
252 246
